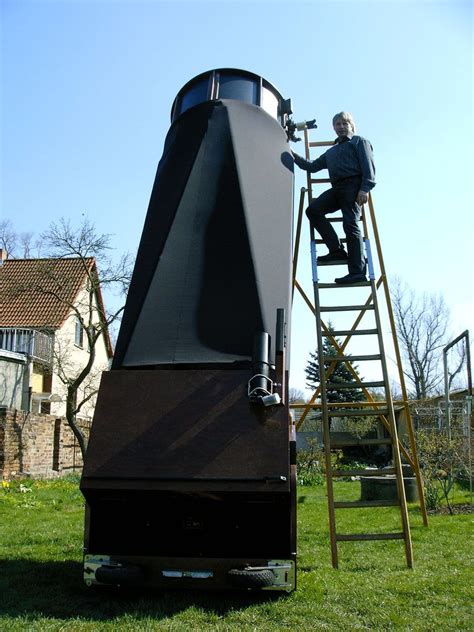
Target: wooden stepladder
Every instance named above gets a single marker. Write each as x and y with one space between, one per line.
370 338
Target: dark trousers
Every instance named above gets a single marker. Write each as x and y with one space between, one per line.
341 196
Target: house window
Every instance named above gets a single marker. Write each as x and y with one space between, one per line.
45 407
79 333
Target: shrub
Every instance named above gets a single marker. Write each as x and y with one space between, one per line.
442 460
310 464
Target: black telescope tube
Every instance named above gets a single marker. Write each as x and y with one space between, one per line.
261 364
280 330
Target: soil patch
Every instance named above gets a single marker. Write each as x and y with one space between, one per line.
457 509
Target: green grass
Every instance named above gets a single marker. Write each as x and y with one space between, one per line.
41 581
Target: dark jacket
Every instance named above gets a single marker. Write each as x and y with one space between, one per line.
349 157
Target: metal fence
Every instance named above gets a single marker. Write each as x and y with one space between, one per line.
452 419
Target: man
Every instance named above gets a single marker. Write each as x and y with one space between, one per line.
351 170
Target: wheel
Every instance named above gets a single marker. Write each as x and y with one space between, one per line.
251 578
119 575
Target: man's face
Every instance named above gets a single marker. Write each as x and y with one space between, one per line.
342 128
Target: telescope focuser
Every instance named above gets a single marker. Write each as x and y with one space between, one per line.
292 127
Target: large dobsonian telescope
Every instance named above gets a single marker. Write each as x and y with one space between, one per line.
189 476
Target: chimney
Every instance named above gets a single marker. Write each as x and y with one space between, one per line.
3 255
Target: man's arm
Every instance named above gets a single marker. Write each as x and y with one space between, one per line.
366 160
310 165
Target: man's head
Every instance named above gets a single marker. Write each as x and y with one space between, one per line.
343 124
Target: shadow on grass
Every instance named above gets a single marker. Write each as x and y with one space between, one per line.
55 589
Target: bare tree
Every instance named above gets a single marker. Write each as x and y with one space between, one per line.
17 244
422 323
296 396
459 361
63 240
27 244
100 274
8 237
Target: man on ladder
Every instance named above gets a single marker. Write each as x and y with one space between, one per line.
351 170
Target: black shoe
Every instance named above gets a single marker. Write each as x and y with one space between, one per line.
332 257
351 279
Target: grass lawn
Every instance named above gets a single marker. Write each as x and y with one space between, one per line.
41 574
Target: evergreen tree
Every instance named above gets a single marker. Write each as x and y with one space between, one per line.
339 374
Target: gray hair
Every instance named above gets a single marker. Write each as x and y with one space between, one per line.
345 116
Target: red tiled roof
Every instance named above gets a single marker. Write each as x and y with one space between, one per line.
39 292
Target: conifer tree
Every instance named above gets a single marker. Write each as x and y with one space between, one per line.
340 373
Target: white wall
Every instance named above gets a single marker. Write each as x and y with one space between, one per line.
13 379
73 358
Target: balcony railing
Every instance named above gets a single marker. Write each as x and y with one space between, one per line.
37 345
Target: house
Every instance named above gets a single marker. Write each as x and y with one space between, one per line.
47 307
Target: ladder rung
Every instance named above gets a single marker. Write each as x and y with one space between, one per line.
356 442
321 241
339 219
369 536
332 263
360 412
321 143
350 332
346 308
378 472
354 504
350 358
330 386
319 180
325 286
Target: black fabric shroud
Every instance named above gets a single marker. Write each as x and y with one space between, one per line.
214 261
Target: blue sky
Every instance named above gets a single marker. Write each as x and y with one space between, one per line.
87 88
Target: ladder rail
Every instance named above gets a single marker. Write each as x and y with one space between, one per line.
395 444
325 411
296 248
401 376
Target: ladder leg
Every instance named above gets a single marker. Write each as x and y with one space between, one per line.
388 300
395 443
323 394
416 464
297 238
